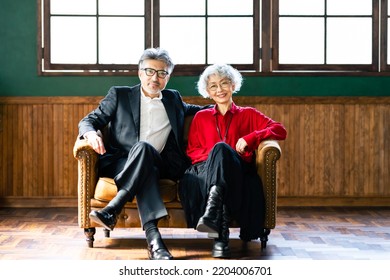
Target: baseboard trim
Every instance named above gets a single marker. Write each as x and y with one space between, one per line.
38 202
333 201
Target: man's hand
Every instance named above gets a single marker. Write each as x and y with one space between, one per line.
95 141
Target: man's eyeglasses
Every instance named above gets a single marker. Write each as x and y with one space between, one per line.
150 72
222 85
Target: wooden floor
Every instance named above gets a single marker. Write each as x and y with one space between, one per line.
300 234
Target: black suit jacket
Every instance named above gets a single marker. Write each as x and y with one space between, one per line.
119 114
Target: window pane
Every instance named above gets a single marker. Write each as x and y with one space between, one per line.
349 41
230 40
230 7
73 40
73 7
121 7
301 7
301 41
181 43
349 7
182 7
121 40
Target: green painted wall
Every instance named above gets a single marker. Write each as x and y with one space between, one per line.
18 70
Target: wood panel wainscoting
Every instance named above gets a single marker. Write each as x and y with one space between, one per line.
336 152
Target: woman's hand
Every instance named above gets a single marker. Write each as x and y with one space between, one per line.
241 146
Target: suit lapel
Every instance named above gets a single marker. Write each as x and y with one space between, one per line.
170 109
134 103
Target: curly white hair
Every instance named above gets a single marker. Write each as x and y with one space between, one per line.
223 71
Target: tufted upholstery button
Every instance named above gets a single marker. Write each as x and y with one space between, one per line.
125 217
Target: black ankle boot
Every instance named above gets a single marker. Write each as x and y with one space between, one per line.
221 245
211 220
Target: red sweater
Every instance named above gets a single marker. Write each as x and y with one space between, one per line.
241 122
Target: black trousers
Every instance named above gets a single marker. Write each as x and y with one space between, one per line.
139 174
243 191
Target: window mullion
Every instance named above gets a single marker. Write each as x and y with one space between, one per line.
376 29
325 32
153 23
206 32
47 60
384 38
97 31
256 35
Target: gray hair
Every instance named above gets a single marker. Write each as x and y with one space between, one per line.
222 70
157 54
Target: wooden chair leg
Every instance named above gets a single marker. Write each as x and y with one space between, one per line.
106 233
89 233
264 238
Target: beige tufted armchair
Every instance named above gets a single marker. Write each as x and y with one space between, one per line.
94 193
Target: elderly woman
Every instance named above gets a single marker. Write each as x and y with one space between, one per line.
222 182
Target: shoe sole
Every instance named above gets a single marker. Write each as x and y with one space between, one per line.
98 221
221 254
212 233
170 257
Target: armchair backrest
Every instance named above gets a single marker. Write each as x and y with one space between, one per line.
104 133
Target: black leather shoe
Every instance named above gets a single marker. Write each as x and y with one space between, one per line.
158 251
221 249
105 218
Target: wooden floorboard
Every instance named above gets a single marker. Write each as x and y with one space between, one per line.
300 234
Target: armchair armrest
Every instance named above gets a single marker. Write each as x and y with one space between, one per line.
87 179
267 154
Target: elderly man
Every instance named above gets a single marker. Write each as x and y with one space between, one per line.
145 143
